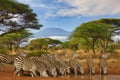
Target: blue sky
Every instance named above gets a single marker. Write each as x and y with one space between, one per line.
68 14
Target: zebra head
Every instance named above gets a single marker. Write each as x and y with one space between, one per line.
44 74
104 70
54 72
62 70
81 70
93 70
68 70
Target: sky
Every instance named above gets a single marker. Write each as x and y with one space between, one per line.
68 14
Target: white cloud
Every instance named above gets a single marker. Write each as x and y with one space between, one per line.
61 38
116 38
75 7
90 7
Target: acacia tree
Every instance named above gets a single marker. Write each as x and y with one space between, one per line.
9 10
13 40
42 44
115 23
91 32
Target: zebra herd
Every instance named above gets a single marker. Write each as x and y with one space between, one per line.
49 65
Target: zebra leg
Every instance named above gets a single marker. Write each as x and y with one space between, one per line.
2 67
93 71
16 72
81 70
104 70
67 70
20 73
100 71
90 70
75 71
33 74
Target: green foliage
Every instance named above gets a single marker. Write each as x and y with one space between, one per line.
109 21
112 47
114 22
65 45
70 45
89 33
37 53
12 6
29 19
42 44
37 44
74 44
13 40
3 50
92 30
53 42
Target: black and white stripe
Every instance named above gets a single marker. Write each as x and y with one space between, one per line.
103 64
7 59
90 64
29 64
25 64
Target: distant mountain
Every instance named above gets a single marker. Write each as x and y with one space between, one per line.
54 33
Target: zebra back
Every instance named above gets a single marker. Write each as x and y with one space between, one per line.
4 58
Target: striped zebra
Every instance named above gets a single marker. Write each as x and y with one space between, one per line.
49 60
24 64
103 64
90 64
62 66
34 65
41 68
9 59
59 64
76 66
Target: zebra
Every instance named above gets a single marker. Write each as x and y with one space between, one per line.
50 62
41 68
59 67
103 64
51 68
63 66
9 59
25 64
30 64
90 64
75 65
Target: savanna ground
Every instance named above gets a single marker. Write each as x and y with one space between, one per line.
113 73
